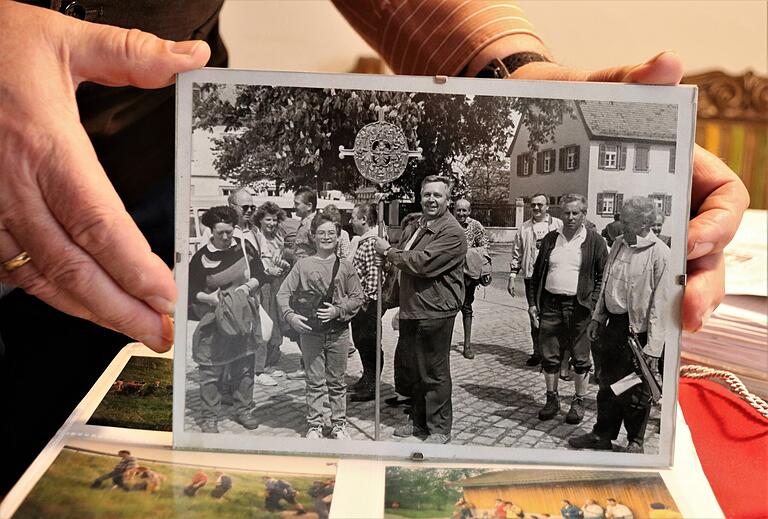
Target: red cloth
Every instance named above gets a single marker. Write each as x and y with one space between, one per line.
731 439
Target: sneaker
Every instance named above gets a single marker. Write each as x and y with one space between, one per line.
533 360
247 420
576 412
408 430
296 375
274 372
438 438
263 379
339 432
551 407
468 353
635 447
361 384
315 433
397 401
590 441
209 426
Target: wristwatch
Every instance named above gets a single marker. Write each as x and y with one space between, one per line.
503 68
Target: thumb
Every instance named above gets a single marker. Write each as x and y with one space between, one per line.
118 57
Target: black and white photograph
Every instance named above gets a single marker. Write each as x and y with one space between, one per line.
460 268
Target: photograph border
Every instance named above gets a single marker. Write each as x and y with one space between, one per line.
684 97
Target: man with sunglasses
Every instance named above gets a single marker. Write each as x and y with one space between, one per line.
241 201
525 248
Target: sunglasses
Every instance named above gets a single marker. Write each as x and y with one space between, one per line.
247 207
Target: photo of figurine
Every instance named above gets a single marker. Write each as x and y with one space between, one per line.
430 268
140 398
97 480
525 494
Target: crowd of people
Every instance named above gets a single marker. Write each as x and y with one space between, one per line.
613 509
259 277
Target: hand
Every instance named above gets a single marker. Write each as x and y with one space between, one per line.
511 286
593 330
718 197
299 323
652 362
88 257
381 245
534 313
328 313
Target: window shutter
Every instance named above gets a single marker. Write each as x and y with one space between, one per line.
577 150
520 165
601 157
618 203
667 205
561 158
672 152
622 157
600 197
540 162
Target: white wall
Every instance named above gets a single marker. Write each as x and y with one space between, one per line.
311 35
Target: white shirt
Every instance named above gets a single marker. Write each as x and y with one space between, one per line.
617 282
565 263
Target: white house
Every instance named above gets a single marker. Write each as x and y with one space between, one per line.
606 150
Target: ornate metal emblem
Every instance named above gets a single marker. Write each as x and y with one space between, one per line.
381 152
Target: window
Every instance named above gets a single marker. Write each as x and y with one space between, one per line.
612 156
226 191
663 202
672 153
608 203
569 158
641 158
545 162
524 165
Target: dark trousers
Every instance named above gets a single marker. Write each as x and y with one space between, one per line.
534 327
430 340
117 477
563 328
241 377
470 285
364 337
404 365
631 407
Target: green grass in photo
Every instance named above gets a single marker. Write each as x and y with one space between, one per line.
149 406
64 492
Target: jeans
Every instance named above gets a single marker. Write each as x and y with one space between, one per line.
241 378
430 340
325 362
564 327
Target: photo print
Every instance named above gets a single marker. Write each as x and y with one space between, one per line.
525 493
528 239
95 479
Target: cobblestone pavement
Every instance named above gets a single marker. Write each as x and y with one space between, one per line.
496 397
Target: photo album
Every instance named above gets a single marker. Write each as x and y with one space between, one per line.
529 240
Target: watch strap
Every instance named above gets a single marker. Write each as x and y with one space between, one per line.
503 68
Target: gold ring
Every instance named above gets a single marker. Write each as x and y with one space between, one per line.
17 261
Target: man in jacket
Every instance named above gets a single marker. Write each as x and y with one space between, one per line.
635 298
525 249
564 288
477 239
431 270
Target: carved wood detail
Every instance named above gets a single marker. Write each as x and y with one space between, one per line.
737 98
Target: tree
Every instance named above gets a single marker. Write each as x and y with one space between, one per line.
291 134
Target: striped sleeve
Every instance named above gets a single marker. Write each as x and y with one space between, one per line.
430 37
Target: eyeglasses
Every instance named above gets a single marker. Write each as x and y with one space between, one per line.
538 205
247 207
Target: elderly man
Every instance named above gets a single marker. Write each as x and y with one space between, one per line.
656 228
364 218
525 249
431 265
241 201
477 248
564 288
634 299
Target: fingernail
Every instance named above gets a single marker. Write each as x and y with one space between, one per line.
161 304
155 342
700 249
185 47
660 54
